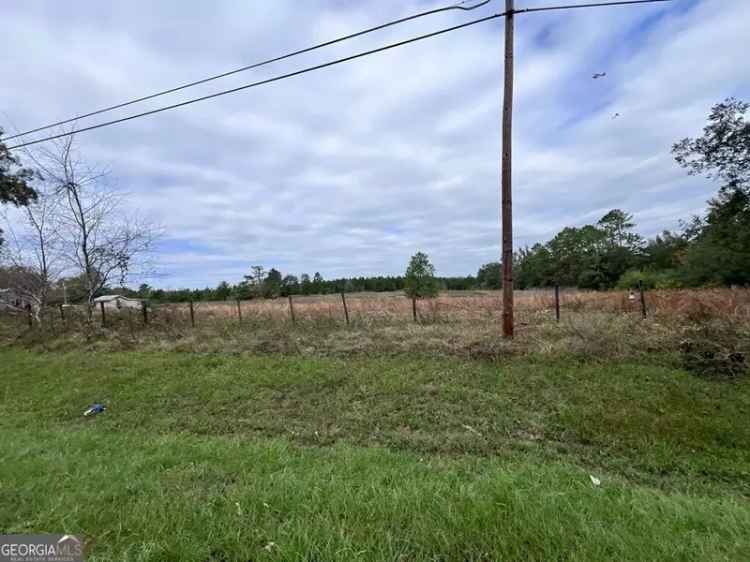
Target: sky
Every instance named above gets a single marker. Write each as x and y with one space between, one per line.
351 169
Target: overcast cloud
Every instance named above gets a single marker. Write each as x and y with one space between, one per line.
351 169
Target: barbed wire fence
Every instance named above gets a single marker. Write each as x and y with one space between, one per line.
332 310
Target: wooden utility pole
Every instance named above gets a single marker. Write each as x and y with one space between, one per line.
506 191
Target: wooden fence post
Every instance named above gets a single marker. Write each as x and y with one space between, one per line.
104 316
144 309
346 310
414 308
643 298
192 315
291 310
239 311
557 302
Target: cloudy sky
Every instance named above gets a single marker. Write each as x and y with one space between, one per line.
351 169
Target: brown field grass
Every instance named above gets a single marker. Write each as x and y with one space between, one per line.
367 309
385 308
594 325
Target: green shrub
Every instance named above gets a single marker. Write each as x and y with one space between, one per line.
664 279
590 279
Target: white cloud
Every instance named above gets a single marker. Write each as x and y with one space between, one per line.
351 169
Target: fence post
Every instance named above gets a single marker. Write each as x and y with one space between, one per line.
291 310
239 311
643 298
557 302
346 310
144 309
192 315
104 316
414 308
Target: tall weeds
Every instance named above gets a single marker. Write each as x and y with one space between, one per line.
687 327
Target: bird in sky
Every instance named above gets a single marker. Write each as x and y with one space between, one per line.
615 116
599 75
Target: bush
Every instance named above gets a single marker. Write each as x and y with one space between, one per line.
716 349
591 279
664 279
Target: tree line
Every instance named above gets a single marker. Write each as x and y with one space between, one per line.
712 249
418 281
274 285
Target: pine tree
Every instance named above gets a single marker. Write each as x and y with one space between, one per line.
420 279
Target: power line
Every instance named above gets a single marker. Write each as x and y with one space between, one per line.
594 5
458 6
305 70
262 82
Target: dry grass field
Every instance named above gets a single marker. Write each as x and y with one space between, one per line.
469 306
593 325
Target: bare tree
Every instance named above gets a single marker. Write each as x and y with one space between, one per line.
34 250
98 240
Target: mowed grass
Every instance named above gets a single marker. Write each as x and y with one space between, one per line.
224 457
181 497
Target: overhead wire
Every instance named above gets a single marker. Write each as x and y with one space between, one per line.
301 71
260 82
392 23
590 5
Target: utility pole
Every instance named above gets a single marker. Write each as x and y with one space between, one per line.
506 180
506 191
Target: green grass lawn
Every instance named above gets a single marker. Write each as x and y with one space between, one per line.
226 457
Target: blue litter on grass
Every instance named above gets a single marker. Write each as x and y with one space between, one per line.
95 409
